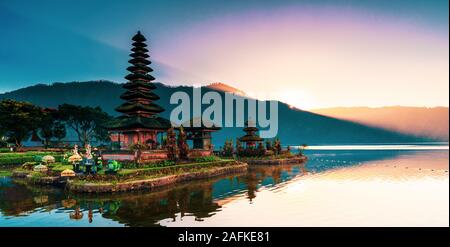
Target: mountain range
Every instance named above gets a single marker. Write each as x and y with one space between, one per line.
295 126
420 121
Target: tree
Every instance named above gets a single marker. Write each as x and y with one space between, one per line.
182 144
228 148
86 121
261 150
59 131
18 120
51 126
239 148
302 149
277 146
268 145
171 145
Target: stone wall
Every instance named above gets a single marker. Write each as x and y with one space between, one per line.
155 182
295 160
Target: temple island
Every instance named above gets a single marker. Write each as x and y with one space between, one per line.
147 150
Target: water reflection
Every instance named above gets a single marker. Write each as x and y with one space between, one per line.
222 200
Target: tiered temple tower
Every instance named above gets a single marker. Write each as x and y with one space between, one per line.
139 97
139 122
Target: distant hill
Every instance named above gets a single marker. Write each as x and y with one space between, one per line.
419 121
219 86
295 126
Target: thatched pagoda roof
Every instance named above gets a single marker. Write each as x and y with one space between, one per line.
133 122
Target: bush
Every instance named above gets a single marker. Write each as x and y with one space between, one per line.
206 159
20 158
164 163
113 166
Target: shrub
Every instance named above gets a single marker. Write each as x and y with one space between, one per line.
228 148
113 166
164 163
206 159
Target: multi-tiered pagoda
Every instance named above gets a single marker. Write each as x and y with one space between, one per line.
251 138
139 122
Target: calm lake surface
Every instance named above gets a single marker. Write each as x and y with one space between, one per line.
366 185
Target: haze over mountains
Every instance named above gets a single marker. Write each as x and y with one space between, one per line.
420 121
295 126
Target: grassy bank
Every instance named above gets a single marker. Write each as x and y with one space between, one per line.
151 180
151 171
18 158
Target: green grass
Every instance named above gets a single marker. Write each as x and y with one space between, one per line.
5 173
59 167
153 172
19 158
269 157
186 165
207 159
5 150
121 176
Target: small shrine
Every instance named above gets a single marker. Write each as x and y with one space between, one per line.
200 135
250 138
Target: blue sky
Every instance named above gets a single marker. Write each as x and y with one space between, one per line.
47 41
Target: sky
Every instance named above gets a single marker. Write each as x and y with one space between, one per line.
310 54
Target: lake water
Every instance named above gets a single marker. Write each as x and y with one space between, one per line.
366 185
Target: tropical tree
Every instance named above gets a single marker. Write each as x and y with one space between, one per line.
59 131
228 148
277 146
261 150
171 145
182 144
51 126
18 120
302 149
239 148
86 121
268 145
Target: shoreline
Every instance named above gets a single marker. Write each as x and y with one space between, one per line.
151 183
285 161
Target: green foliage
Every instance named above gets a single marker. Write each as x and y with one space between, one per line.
182 144
20 158
18 120
113 166
228 148
239 148
171 145
5 173
86 121
210 158
268 145
261 150
3 144
51 126
277 146
164 163
59 167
